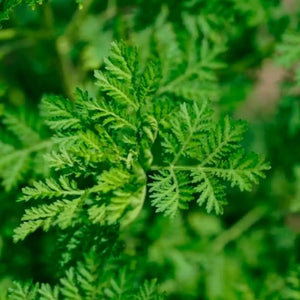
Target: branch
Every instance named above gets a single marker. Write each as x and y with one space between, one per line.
238 228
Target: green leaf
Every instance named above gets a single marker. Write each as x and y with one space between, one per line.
170 192
51 188
59 113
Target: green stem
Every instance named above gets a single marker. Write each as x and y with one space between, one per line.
62 47
200 168
8 34
238 228
182 168
70 75
68 72
77 19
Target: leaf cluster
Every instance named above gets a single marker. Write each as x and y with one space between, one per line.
111 142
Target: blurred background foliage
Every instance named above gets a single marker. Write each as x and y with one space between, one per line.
252 251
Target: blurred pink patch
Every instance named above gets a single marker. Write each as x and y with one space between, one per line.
262 102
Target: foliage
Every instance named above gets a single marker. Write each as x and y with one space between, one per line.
126 172
95 275
122 148
21 147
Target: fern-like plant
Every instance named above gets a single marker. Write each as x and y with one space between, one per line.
116 189
131 143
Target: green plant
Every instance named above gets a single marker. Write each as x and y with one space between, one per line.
122 175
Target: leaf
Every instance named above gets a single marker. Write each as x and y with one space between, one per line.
169 192
69 289
118 63
111 115
51 188
211 191
97 214
118 91
113 179
224 139
187 128
59 213
148 291
59 113
149 81
117 81
15 168
118 288
242 170
25 292
125 206
19 127
48 293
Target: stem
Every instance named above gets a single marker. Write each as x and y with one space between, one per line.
8 34
198 167
68 73
77 19
182 168
67 70
238 228
62 47
111 9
